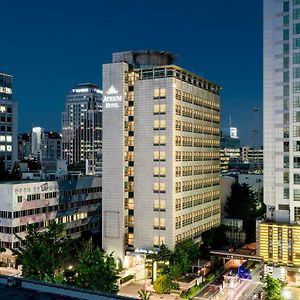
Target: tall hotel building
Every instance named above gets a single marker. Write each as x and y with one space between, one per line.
279 233
82 125
160 154
8 122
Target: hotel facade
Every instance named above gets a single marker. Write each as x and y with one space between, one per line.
279 232
160 154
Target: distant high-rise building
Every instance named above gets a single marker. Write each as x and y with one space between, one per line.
36 141
24 145
82 125
45 145
161 154
8 122
279 242
230 150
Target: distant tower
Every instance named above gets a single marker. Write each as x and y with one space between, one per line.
82 125
8 122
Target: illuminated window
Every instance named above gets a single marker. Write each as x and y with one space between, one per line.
159 204
156 240
159 93
159 187
8 148
159 171
159 124
159 140
9 138
159 155
159 109
2 138
2 148
2 108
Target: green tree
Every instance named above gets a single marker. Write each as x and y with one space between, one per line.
272 288
96 270
164 284
214 238
43 252
244 204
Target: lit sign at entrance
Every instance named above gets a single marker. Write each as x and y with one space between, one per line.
112 98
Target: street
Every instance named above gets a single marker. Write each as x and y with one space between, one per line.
244 291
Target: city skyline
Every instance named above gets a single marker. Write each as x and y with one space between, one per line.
54 46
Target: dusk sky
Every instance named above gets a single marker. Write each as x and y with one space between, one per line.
50 46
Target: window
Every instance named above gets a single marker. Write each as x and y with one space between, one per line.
297 195
296 87
296 178
19 199
286 48
297 162
159 187
296 2
296 145
286 161
296 43
296 72
286 193
285 118
286 6
159 124
159 171
286 76
296 58
159 109
160 204
285 20
286 90
296 14
159 155
296 101
296 28
286 34
296 117
159 93
297 213
285 177
286 62
159 140
296 131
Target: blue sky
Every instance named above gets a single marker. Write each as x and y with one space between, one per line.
51 45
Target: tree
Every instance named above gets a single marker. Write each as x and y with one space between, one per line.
272 288
96 270
164 284
43 252
244 204
214 238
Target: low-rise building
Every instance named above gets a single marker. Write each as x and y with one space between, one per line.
75 202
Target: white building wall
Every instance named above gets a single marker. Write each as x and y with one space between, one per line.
113 154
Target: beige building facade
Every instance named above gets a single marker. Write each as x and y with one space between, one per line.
160 154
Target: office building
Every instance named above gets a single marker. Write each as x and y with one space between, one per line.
75 202
161 154
8 122
279 232
82 125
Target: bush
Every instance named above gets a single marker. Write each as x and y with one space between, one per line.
164 285
210 277
192 291
126 278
